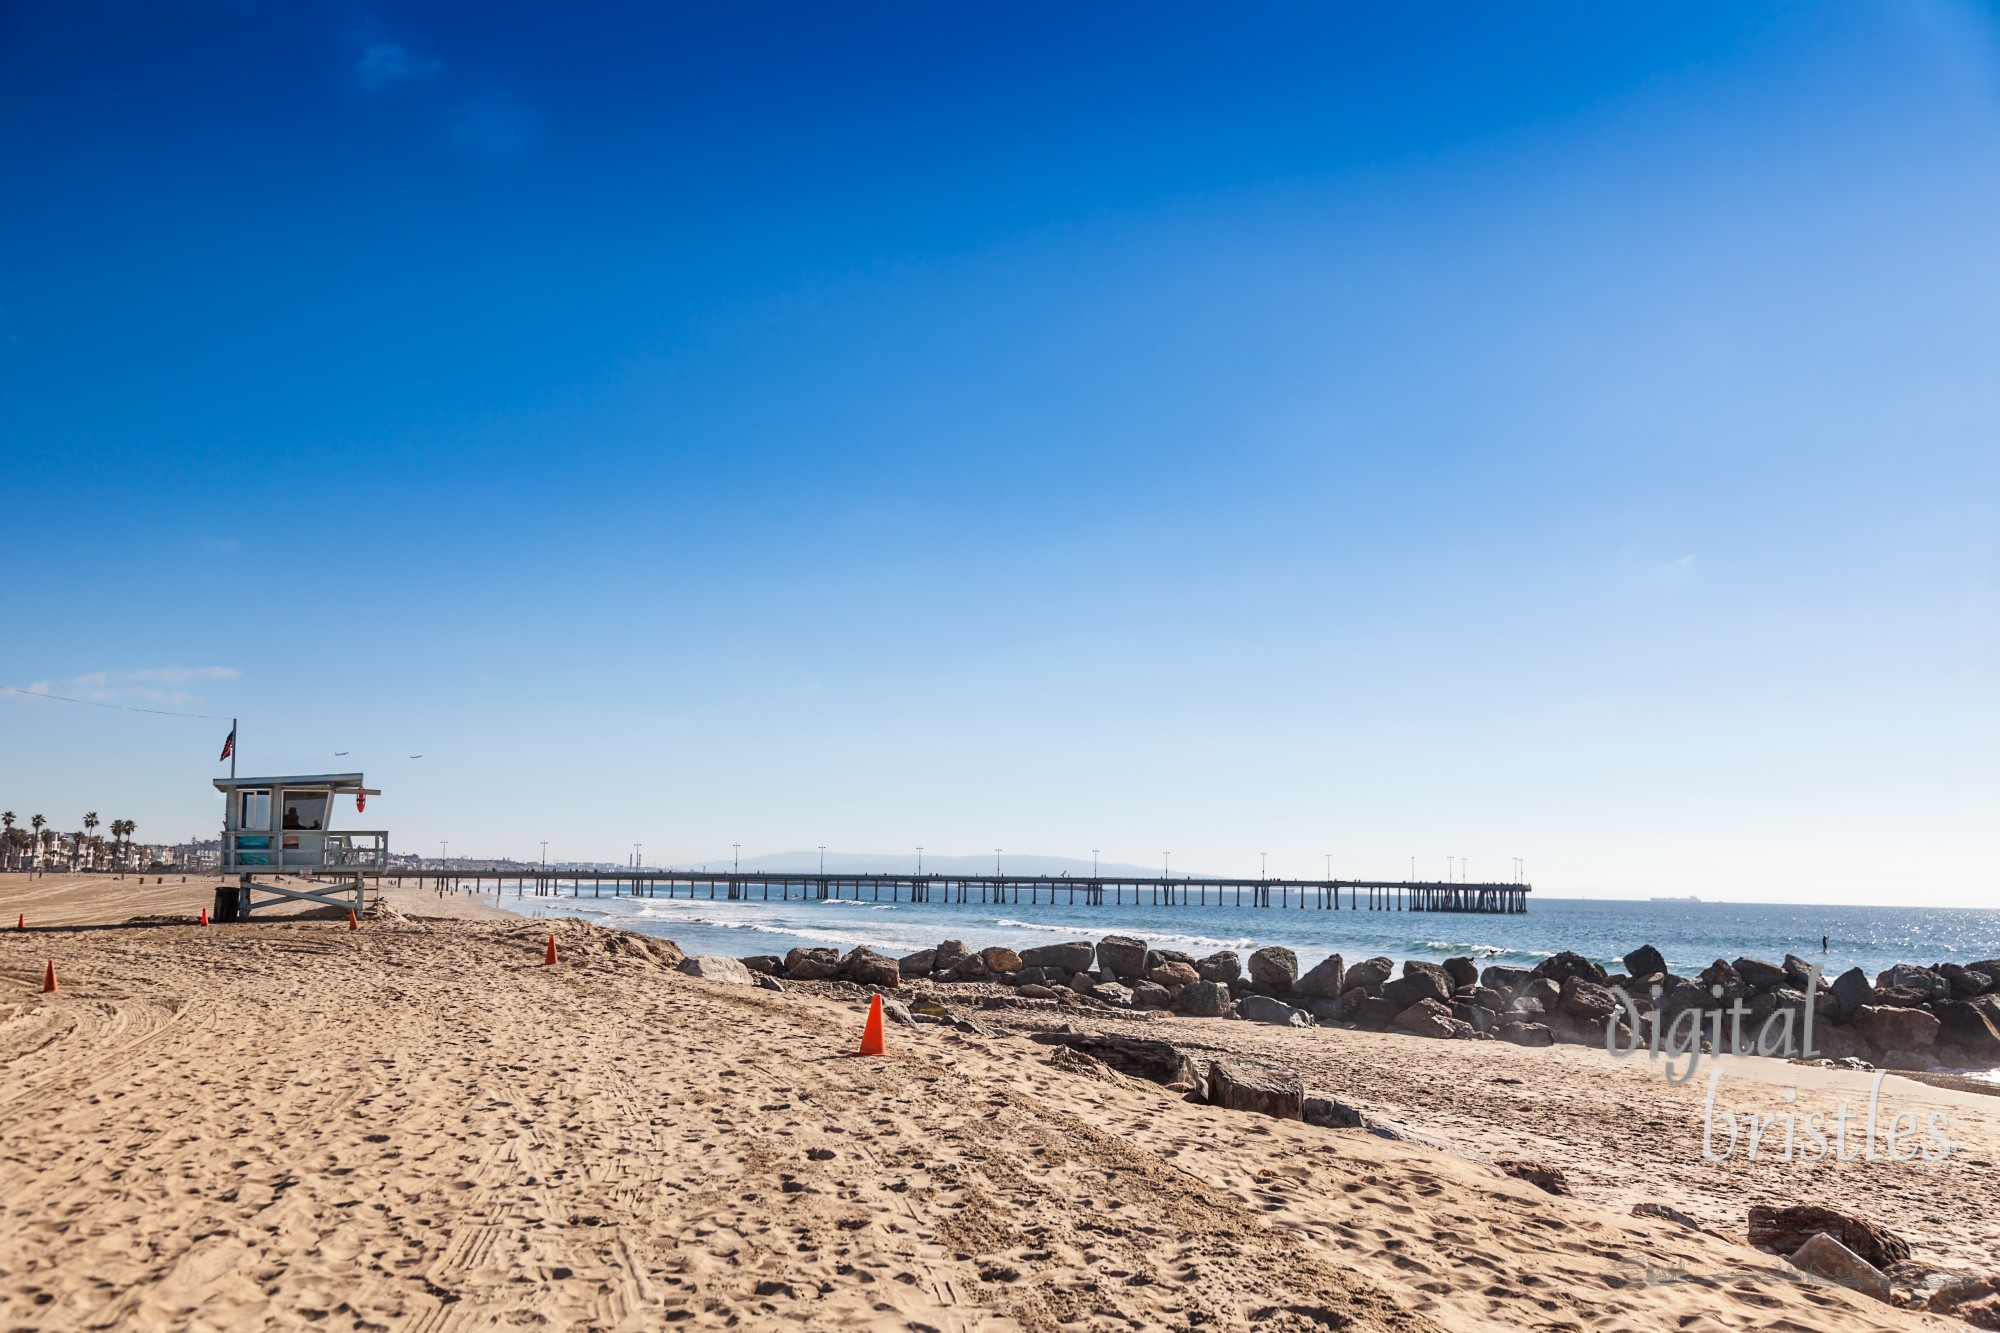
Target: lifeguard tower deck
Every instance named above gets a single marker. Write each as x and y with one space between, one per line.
277 827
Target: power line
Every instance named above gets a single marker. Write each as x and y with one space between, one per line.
98 703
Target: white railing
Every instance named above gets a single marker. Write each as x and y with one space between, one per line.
247 852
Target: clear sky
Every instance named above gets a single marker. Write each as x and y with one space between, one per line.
1563 431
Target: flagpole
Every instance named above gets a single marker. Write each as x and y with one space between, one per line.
232 749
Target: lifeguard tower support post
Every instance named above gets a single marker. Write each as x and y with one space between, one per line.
280 826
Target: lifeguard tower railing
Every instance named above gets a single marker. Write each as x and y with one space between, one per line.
363 851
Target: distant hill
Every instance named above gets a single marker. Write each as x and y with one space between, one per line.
905 863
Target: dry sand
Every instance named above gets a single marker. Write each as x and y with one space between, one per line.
417 1126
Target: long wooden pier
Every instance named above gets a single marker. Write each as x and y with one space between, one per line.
1012 890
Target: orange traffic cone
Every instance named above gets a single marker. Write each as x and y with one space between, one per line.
22 924
49 979
871 1035
204 916
352 924
550 960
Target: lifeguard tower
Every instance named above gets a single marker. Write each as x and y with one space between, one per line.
281 827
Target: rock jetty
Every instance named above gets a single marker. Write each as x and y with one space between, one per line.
1908 1017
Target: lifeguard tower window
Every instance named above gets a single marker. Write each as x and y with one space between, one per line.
256 810
305 810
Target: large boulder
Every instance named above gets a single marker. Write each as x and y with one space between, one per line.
1264 1009
1967 1026
1222 967
1587 999
1488 998
1073 956
1989 966
865 967
1541 991
1203 999
1434 977
1329 1011
1891 1029
1758 974
1850 991
1428 1018
1266 1089
1122 956
1462 971
712 968
1325 982
1644 961
1784 1230
1965 983
1479 1020
1565 965
1375 1013
1797 970
949 956
1141 1057
1972 1300
918 964
1525 1034
1370 975
812 964
1000 960
1720 974
1505 979
1929 985
1274 969
1327 1113
1114 993
1174 976
1150 995
767 963
1823 1256
1407 989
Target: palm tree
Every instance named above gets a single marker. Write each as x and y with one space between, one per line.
35 822
121 831
7 834
90 825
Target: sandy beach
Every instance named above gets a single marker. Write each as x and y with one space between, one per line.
417 1125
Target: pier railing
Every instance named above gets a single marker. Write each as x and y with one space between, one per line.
1012 890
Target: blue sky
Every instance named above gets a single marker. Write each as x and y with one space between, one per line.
1432 430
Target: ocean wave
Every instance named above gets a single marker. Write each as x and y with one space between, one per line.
1169 940
1012 924
1453 947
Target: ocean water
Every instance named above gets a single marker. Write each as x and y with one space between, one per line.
1690 935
